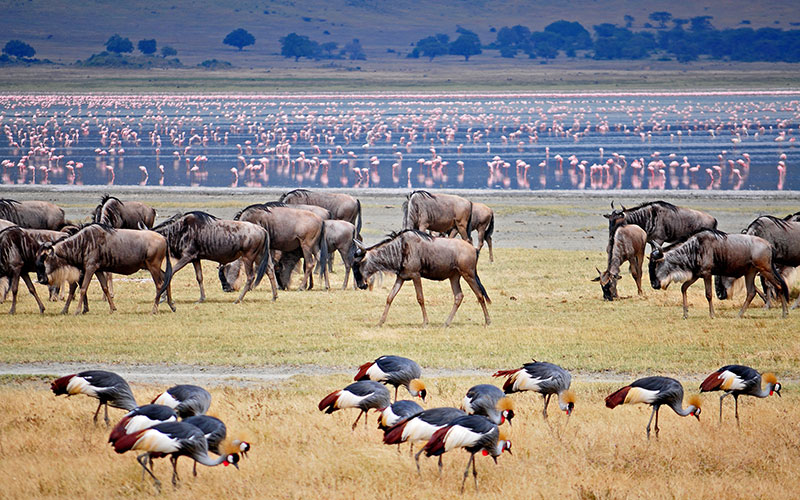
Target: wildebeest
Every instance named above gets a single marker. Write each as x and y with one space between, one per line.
629 245
413 255
783 235
663 222
288 230
425 211
17 259
710 252
199 235
322 213
99 249
32 214
123 215
341 206
483 224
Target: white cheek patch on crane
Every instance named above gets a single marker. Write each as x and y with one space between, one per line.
459 437
79 385
639 395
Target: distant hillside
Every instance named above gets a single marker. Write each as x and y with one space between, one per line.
67 30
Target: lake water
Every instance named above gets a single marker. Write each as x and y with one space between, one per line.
717 141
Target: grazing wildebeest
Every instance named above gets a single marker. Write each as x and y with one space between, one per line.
32 214
341 206
795 217
483 224
128 215
5 223
662 221
288 230
629 244
199 235
323 213
413 255
784 236
710 252
17 259
98 249
425 211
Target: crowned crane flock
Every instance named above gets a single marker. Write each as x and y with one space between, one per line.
174 424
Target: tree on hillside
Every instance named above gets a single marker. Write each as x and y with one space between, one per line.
574 35
660 17
119 45
629 19
432 46
329 48
146 47
355 51
297 46
167 51
467 44
18 48
239 38
701 23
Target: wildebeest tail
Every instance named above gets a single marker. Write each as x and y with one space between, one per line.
358 220
266 260
480 285
779 278
323 252
490 229
469 222
167 275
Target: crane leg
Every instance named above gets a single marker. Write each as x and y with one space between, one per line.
474 472
440 466
142 459
657 408
194 469
411 450
720 405
96 413
175 477
546 403
357 419
416 459
650 421
108 422
395 392
736 405
466 472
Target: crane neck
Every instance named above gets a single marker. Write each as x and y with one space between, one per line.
683 412
208 461
765 391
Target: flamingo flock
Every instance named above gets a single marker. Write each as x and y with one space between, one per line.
712 141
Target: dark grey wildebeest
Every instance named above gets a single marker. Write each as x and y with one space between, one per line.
710 252
123 215
199 235
17 259
663 222
341 206
32 214
629 245
426 211
413 255
784 236
97 249
483 224
289 229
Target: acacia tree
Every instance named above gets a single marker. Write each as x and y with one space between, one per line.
119 45
239 38
432 46
18 48
467 44
147 47
660 17
167 51
297 46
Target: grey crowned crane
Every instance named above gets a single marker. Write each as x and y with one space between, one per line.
365 395
142 418
420 428
176 439
545 378
216 432
740 380
474 433
186 400
656 391
108 387
396 412
489 401
395 371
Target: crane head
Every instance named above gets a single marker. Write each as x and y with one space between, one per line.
417 388
695 401
770 378
506 408
567 402
232 459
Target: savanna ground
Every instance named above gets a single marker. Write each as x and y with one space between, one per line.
310 343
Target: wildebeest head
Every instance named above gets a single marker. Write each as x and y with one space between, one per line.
658 278
608 283
616 217
722 286
229 274
358 258
52 269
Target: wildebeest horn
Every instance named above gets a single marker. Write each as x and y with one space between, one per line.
359 244
598 271
612 204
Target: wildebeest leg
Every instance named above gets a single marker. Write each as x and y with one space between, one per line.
87 278
251 276
70 296
778 287
473 284
458 296
709 292
462 230
636 272
308 268
750 284
31 289
103 279
396 288
421 301
14 285
198 273
489 244
685 287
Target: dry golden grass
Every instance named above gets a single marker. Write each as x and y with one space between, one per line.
50 448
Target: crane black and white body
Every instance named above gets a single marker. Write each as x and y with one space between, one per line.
176 439
215 432
542 377
656 391
186 400
395 371
489 401
365 395
396 412
474 433
108 387
142 418
420 428
738 380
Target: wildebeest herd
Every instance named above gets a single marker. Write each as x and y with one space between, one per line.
271 238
